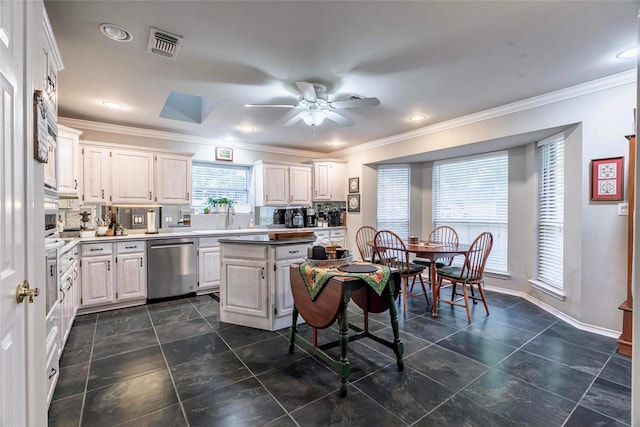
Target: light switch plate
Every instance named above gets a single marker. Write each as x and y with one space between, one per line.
623 209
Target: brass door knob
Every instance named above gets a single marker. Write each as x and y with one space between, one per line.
22 291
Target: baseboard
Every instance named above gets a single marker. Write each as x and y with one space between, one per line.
557 313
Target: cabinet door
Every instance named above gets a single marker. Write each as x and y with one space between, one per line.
276 185
97 281
245 291
300 185
50 176
68 160
173 179
66 289
321 174
132 176
209 268
131 276
283 297
95 180
338 181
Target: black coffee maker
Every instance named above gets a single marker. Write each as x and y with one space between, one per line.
278 216
334 218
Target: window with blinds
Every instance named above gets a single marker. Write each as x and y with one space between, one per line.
471 194
550 161
393 200
217 181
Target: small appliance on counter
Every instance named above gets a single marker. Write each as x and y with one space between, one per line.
333 217
294 217
278 216
311 219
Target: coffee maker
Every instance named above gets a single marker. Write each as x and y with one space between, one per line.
278 216
334 217
310 218
294 217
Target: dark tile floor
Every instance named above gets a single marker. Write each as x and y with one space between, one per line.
174 364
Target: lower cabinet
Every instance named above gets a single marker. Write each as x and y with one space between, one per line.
208 265
69 284
254 287
108 279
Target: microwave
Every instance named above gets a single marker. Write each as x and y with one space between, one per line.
50 215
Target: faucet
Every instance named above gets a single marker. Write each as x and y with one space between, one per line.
229 217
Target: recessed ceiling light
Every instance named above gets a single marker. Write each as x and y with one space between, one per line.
116 32
246 128
112 104
336 143
417 117
629 53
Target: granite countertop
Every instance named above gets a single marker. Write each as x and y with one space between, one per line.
264 240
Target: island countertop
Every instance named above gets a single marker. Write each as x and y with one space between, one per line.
262 239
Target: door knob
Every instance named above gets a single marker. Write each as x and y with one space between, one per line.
22 291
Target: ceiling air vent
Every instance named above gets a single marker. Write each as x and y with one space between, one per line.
164 44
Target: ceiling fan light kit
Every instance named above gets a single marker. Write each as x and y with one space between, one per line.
315 106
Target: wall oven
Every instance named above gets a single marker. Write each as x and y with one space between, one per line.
50 215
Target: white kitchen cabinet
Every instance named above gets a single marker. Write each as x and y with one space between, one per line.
172 179
131 177
68 291
50 168
339 237
282 184
208 265
329 181
254 285
97 269
96 170
131 271
51 65
68 161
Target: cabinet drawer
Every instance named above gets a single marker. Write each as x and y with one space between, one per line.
244 251
53 369
324 234
286 252
130 247
338 233
95 249
208 242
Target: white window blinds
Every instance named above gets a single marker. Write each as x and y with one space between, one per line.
393 200
551 210
471 194
217 181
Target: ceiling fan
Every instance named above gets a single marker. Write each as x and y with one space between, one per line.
314 105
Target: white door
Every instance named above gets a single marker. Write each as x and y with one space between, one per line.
131 276
300 185
15 360
132 176
173 179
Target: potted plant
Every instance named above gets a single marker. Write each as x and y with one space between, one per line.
207 210
220 205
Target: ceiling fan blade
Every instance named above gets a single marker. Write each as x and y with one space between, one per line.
290 121
357 102
271 105
338 118
308 91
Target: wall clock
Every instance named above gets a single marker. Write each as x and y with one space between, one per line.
354 185
353 203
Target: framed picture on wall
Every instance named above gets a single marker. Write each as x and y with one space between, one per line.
354 185
607 179
225 154
353 203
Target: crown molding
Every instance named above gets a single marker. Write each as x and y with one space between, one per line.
173 136
514 107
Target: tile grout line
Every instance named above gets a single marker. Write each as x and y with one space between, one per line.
86 381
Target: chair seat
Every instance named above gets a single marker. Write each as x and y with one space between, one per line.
427 262
454 272
413 268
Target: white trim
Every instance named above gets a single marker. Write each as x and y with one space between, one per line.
604 83
548 289
562 316
173 136
117 146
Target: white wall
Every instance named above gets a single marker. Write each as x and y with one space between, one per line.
595 236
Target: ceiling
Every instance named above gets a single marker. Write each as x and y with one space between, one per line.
441 59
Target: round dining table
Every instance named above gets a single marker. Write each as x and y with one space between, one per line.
434 251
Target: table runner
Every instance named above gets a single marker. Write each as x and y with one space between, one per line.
316 277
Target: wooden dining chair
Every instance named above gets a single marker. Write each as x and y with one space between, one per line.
470 274
365 234
392 252
440 234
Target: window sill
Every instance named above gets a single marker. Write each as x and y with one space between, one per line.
547 289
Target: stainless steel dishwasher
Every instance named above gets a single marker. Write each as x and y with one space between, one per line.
171 267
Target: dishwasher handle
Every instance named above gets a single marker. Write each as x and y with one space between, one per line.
170 245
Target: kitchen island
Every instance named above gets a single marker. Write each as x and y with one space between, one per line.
254 284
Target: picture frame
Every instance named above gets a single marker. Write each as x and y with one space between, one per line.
607 179
353 203
224 154
354 185
40 133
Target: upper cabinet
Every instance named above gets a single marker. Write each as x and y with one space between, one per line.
51 65
68 161
132 177
329 180
279 184
173 179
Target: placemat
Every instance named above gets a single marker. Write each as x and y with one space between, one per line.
316 277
